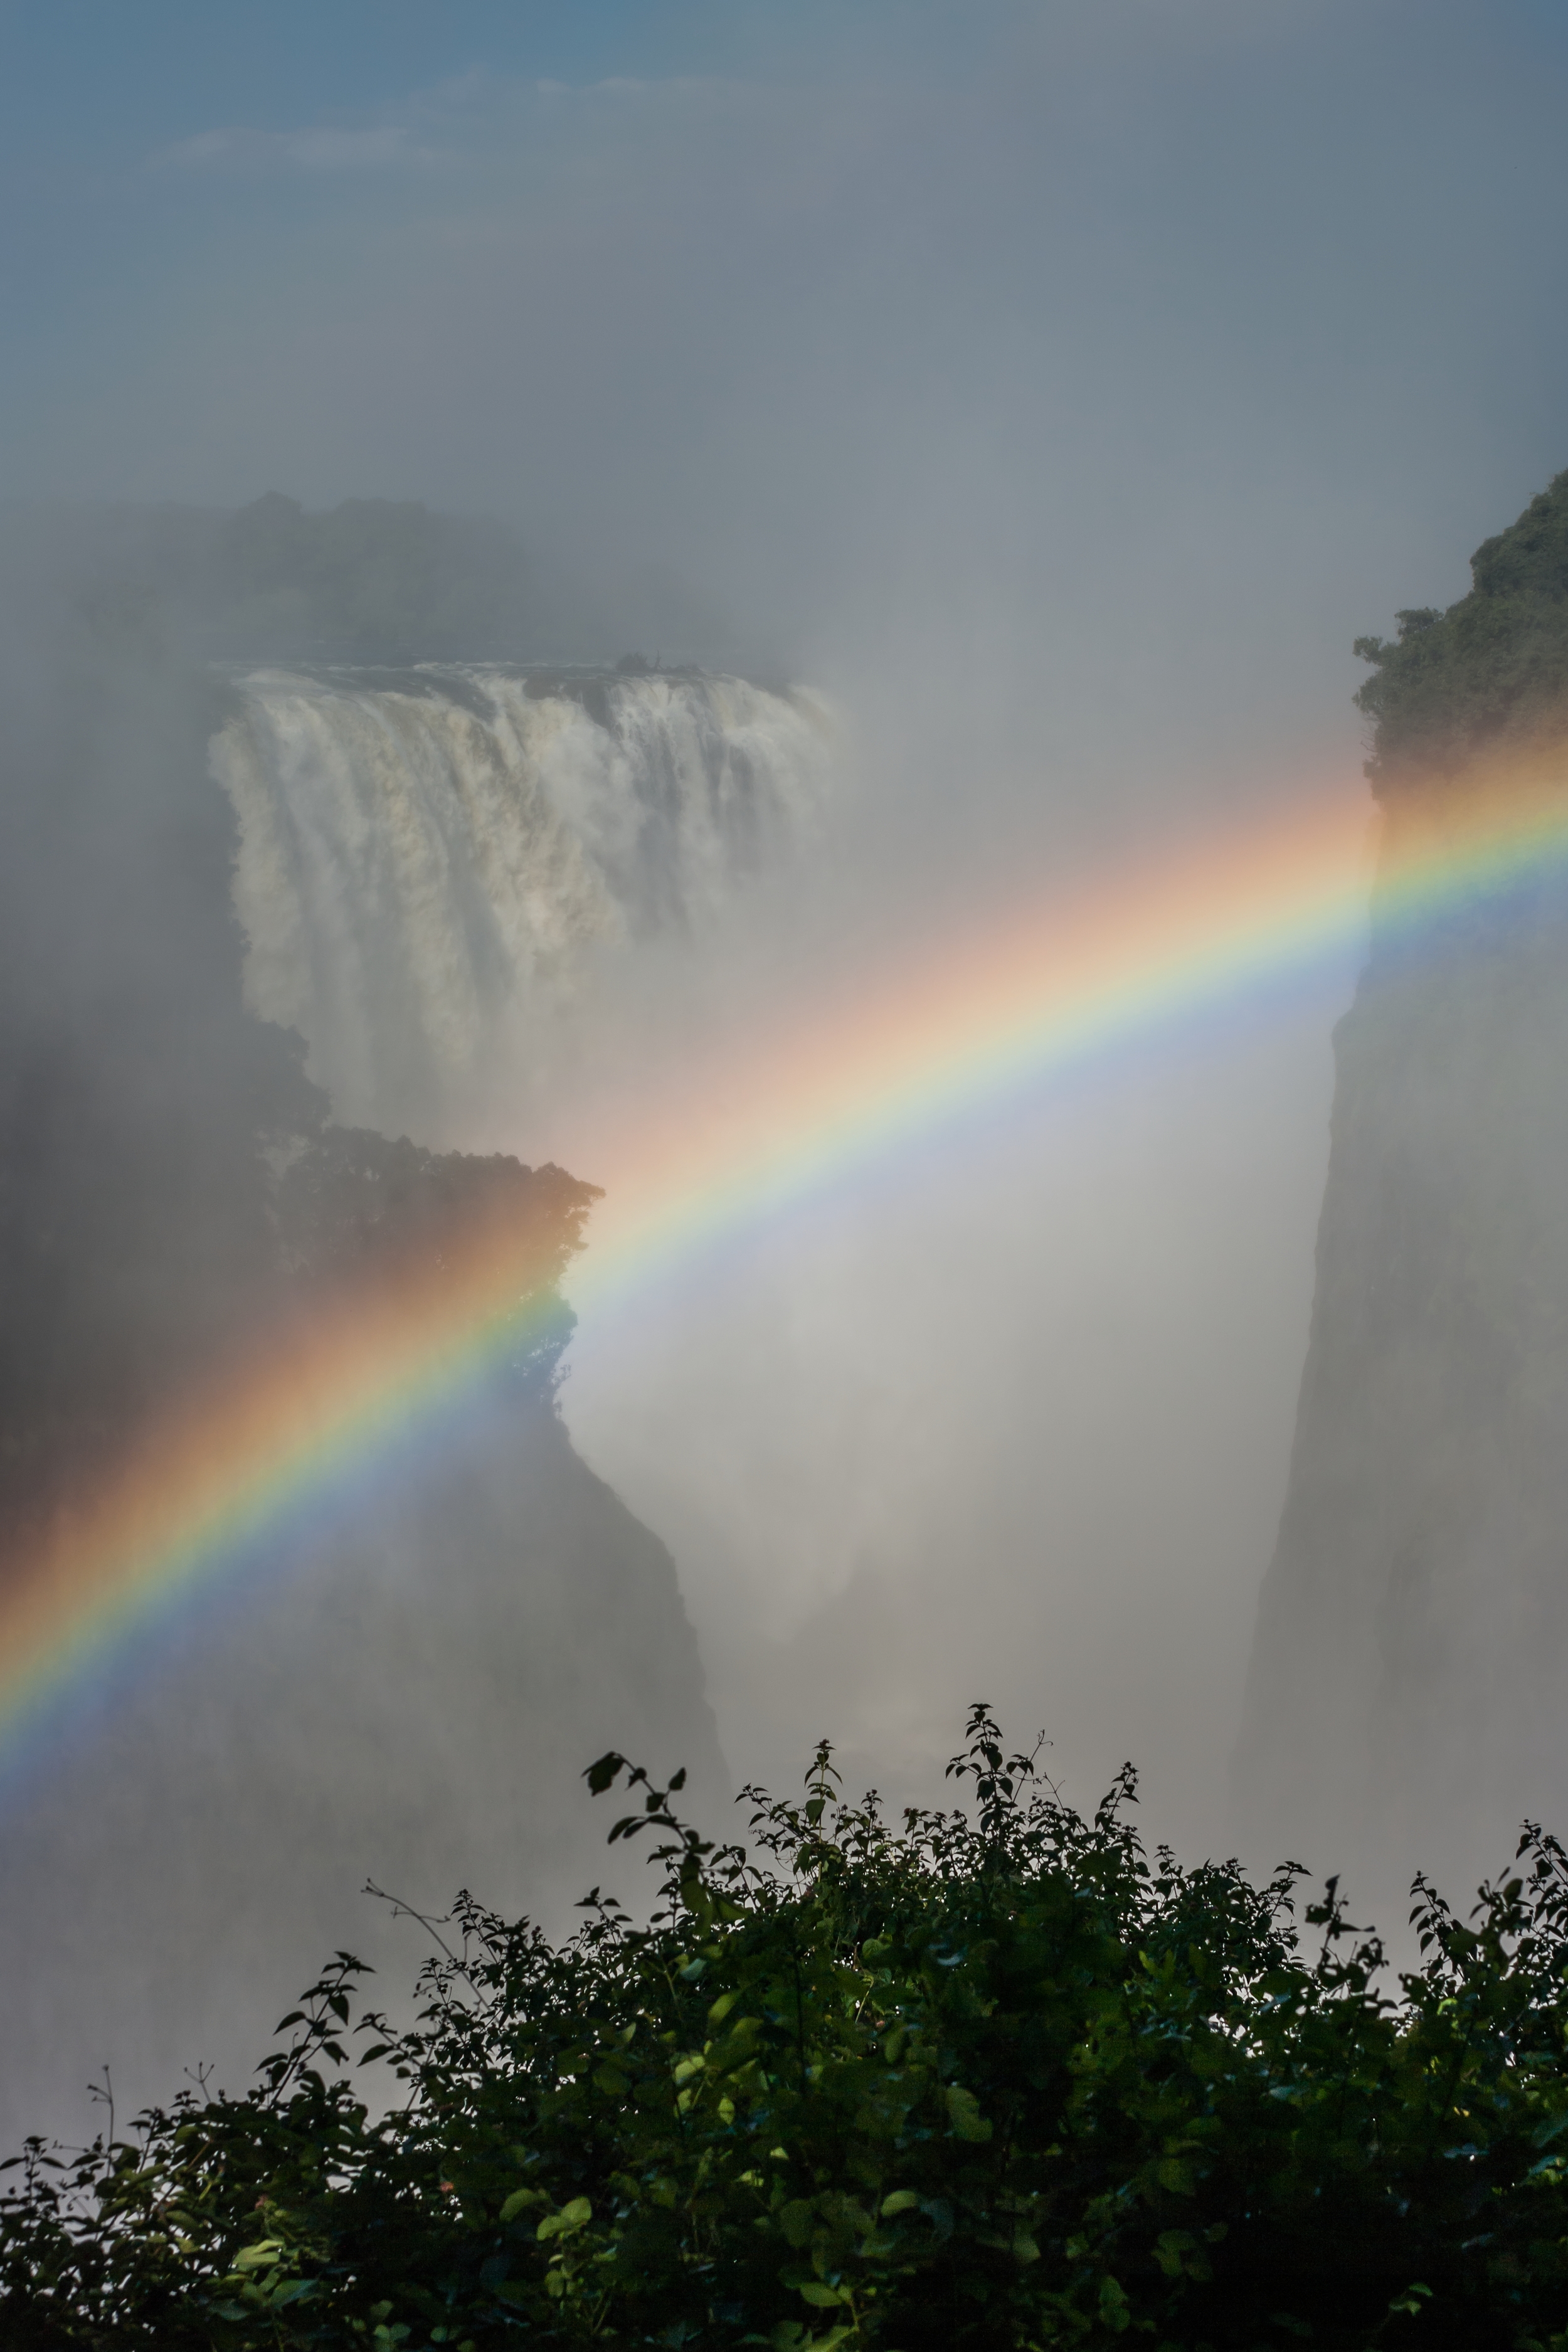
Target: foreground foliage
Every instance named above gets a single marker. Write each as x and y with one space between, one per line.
998 2078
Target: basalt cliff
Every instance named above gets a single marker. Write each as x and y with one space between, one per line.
1406 1706
404 1686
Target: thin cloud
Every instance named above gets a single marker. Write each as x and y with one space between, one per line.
322 149
455 111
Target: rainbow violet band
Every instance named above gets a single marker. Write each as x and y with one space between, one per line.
940 1038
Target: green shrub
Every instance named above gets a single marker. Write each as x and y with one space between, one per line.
997 2077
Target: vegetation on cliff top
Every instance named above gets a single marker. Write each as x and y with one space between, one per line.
1490 672
1000 2078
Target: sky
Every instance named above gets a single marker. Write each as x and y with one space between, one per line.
824 307
1061 388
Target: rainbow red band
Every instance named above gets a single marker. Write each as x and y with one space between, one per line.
933 1045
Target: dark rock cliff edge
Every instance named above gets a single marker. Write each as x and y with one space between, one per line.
1406 1698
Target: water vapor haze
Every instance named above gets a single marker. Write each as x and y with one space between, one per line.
1054 391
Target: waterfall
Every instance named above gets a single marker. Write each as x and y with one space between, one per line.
431 859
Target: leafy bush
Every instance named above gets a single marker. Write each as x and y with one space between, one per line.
999 2077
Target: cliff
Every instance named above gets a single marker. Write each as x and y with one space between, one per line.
412 1700
1406 1699
410 1688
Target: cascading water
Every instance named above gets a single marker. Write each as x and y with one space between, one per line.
431 859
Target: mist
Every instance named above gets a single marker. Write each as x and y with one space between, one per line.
1048 393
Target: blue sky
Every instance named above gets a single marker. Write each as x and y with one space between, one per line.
90 73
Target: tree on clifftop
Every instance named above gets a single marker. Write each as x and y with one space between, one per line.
1490 672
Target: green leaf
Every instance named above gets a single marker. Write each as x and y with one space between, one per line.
797 2220
1170 2249
822 2296
571 2217
963 2114
1114 2310
902 2201
258 2257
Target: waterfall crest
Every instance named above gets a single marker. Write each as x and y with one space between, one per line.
432 859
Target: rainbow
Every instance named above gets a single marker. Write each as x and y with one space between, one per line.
938 1041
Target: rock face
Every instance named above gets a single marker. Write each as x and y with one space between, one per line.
412 1694
413 1701
1406 1700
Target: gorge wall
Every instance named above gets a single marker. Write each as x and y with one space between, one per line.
1406 1703
420 861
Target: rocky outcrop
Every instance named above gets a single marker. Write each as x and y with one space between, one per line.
1406 1698
411 1699
408 1689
